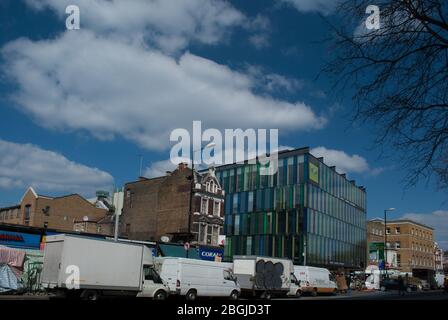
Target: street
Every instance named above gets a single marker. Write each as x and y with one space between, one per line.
378 295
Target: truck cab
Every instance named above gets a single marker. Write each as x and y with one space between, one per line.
152 284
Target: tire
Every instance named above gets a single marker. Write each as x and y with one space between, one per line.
192 295
383 288
234 295
298 294
90 295
314 292
408 289
160 295
335 292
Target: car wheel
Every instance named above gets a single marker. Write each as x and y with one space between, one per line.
160 295
90 295
314 292
383 288
192 295
298 293
408 289
234 295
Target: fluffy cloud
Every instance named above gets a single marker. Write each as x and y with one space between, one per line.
273 82
321 6
80 81
437 220
23 165
344 162
169 25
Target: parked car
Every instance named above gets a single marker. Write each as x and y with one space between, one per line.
393 284
194 278
105 268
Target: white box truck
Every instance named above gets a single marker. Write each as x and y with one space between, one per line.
194 278
263 277
90 268
314 280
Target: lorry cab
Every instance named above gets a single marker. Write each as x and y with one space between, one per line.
152 284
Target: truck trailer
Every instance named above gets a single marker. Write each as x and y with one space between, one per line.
90 268
264 277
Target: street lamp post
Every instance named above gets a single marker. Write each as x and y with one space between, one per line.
385 237
190 211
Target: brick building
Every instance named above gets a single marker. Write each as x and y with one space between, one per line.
60 213
159 207
413 242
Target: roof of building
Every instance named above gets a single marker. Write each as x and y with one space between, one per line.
401 221
292 152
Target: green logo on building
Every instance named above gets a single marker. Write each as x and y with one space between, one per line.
314 173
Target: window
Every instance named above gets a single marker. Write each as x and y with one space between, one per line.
216 208
151 274
202 233
397 230
387 230
128 228
204 206
27 214
397 245
228 275
398 260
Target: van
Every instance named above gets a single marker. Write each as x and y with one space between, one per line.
193 278
314 280
263 277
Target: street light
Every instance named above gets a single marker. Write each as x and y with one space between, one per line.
385 237
190 211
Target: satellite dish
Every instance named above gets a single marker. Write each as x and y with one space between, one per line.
85 218
164 239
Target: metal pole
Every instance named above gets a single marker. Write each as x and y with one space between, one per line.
117 219
385 241
304 250
190 211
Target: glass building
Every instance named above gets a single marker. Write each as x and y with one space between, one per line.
306 212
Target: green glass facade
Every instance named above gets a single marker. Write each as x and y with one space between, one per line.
306 207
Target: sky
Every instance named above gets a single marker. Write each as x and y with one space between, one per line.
80 108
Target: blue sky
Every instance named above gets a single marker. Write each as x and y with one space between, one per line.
77 108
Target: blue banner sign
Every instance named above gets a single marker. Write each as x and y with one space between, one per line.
19 239
210 254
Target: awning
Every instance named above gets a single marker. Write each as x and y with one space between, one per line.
178 251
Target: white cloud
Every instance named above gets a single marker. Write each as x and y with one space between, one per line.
259 41
169 25
344 162
23 165
322 6
80 81
437 220
261 28
273 82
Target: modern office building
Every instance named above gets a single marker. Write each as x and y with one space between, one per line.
307 212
